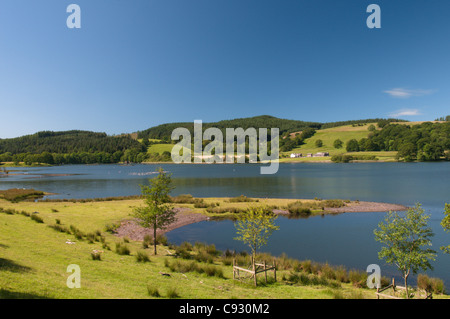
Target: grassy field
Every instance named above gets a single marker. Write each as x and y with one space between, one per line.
34 260
160 148
328 136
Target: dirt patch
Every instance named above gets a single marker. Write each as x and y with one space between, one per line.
183 217
367 207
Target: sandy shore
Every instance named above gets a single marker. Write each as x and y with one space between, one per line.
184 216
367 207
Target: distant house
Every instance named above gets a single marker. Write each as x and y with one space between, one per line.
309 155
294 155
322 154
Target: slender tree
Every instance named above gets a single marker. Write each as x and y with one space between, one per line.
445 223
254 228
406 239
156 213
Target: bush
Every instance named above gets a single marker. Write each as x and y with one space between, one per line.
341 158
357 278
222 210
182 199
161 240
96 255
142 257
112 228
434 285
153 291
148 240
122 249
91 237
298 209
76 232
182 252
60 228
172 293
241 199
36 218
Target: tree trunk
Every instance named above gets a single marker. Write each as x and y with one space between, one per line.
154 238
406 286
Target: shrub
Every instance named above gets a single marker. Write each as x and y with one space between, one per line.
76 232
58 221
182 199
91 237
357 278
241 199
36 217
213 271
122 249
153 291
112 227
142 257
298 209
161 240
334 203
341 158
434 285
437 286
60 228
24 213
96 255
148 240
182 252
172 293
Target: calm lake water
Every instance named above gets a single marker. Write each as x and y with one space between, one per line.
345 239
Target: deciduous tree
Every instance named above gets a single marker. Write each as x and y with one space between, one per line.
406 240
156 213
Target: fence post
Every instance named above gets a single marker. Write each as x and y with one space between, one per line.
265 271
275 269
254 271
234 269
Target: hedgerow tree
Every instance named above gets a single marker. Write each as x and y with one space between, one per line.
352 146
406 239
319 143
445 223
338 143
156 213
254 228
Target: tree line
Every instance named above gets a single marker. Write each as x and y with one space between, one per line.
131 155
164 131
423 142
69 142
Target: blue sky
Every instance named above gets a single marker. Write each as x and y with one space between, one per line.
137 64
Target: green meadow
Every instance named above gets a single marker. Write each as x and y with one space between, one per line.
328 136
36 249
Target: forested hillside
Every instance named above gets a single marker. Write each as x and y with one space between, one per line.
424 142
70 147
164 131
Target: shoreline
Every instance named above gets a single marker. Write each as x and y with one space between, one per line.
186 216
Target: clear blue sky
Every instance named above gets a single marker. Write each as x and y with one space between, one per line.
140 63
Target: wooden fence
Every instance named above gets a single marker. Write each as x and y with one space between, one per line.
256 268
393 286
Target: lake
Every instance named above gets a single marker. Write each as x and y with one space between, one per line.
345 239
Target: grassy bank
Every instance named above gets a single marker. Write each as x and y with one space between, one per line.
38 240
